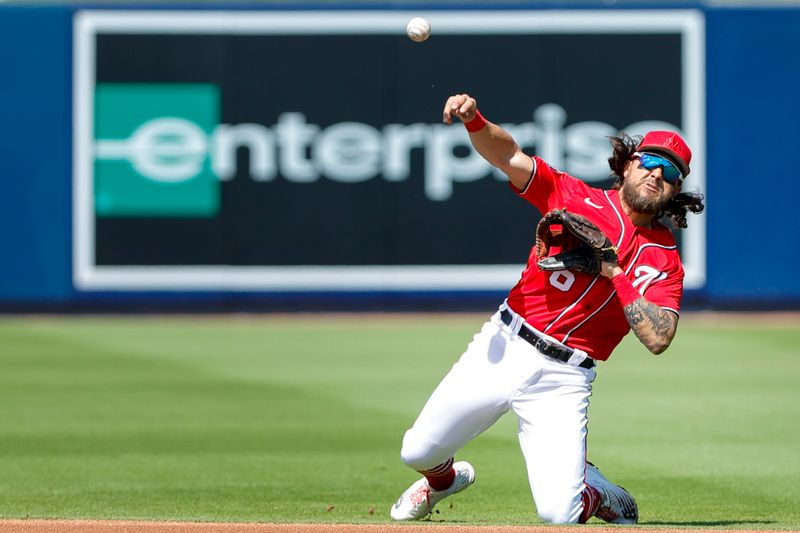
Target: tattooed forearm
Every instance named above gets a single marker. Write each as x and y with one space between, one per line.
641 310
653 326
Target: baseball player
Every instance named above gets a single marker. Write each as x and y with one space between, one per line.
537 354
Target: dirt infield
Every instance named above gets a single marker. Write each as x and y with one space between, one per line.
113 526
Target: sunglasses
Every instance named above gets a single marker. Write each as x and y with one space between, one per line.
669 171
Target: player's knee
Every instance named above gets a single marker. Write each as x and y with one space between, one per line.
559 513
419 453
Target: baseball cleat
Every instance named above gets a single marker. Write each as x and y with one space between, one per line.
419 500
616 504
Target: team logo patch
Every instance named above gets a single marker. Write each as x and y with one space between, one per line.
645 275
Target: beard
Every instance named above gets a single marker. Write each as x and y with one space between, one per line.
641 203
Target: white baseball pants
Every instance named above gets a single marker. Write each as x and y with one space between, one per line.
499 372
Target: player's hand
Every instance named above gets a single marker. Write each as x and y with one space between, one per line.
609 269
462 106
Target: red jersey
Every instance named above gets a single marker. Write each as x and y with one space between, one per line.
580 309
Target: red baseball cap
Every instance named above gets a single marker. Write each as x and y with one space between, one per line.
670 145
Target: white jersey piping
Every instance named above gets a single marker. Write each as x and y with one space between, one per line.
619 217
573 304
600 308
613 292
531 177
642 247
586 291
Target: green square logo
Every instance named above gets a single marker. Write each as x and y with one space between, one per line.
151 152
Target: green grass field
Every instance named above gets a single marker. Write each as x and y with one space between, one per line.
280 419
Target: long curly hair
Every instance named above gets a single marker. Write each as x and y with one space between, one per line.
675 211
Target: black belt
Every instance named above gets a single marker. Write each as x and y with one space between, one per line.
545 346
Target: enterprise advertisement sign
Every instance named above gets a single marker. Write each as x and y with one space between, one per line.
304 151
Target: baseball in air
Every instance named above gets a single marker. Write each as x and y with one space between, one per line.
418 29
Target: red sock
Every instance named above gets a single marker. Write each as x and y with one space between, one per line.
440 477
591 501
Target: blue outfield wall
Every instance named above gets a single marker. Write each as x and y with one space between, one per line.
753 112
751 186
35 155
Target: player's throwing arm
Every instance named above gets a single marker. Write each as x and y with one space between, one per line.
491 141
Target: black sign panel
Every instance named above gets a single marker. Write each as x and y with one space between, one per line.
289 149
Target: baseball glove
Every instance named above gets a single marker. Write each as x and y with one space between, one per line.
580 245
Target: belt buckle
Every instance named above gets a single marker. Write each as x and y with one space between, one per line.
553 351
546 347
543 346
